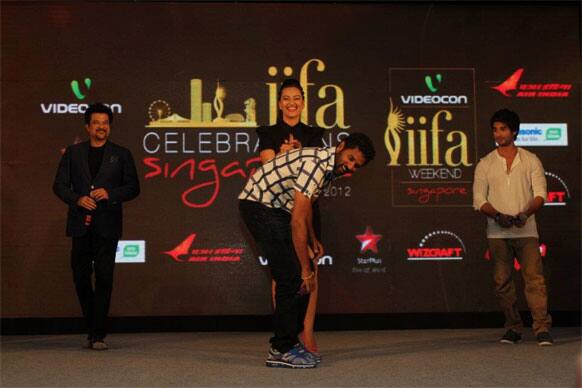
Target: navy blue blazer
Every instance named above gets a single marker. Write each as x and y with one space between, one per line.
117 175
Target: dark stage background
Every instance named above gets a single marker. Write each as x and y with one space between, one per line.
421 79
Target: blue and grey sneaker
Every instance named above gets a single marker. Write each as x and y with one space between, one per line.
314 355
296 357
317 357
273 356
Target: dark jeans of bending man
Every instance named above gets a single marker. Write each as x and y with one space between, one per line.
271 229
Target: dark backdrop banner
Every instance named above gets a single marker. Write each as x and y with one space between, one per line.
190 82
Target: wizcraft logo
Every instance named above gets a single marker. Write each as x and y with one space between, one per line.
184 253
537 90
516 265
558 192
430 146
438 245
75 108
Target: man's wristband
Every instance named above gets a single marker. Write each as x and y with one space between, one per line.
497 216
308 277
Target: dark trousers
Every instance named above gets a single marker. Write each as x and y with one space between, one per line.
527 251
89 253
271 229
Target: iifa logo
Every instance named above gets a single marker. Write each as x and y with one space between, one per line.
213 114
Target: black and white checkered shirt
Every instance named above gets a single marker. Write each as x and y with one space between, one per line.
306 170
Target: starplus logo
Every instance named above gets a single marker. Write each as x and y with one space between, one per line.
539 90
438 250
75 108
183 253
365 264
369 240
558 195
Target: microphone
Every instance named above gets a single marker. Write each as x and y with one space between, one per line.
89 215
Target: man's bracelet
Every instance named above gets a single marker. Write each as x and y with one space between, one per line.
496 218
309 277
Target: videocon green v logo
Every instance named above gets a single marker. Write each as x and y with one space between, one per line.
553 134
75 87
429 82
131 250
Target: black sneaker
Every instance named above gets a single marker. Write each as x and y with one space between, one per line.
510 337
544 339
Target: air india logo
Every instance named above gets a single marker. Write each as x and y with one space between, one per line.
513 87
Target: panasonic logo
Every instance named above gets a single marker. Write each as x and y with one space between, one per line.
535 131
428 100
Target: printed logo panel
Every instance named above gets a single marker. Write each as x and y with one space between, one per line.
130 251
430 136
542 135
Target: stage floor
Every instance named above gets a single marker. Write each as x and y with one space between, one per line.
460 357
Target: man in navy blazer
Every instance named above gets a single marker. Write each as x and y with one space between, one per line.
94 178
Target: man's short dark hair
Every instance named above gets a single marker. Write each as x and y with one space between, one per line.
290 83
98 108
363 143
507 117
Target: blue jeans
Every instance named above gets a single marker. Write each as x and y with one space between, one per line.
271 230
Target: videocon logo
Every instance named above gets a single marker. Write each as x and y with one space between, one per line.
131 250
553 134
430 84
81 91
75 87
433 82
